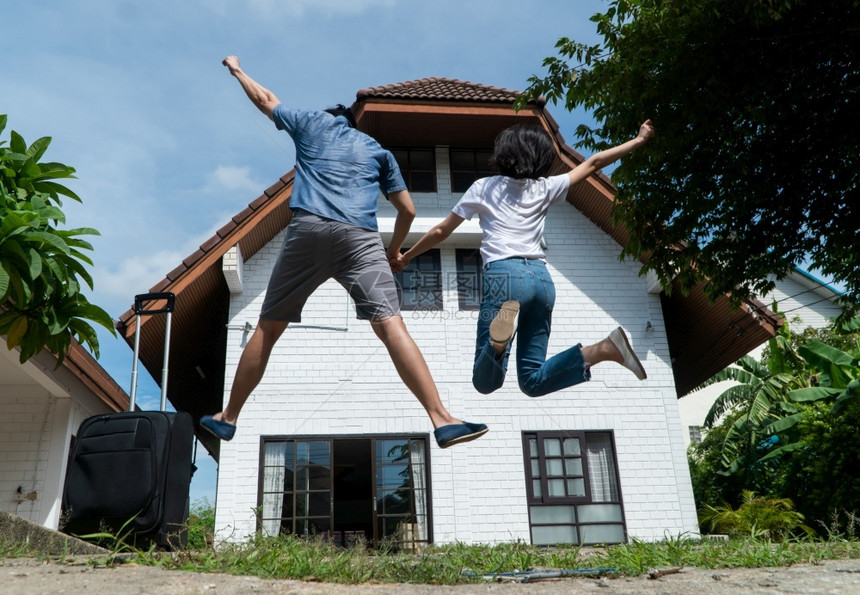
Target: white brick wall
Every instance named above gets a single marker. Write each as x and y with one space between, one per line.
340 381
35 430
23 451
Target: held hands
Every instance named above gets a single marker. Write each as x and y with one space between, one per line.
232 64
397 262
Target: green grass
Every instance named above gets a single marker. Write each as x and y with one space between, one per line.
291 558
288 557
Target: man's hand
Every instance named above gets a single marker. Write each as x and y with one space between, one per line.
260 96
232 64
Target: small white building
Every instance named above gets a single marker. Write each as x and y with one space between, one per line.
41 407
805 302
333 443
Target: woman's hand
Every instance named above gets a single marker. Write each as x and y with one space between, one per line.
646 130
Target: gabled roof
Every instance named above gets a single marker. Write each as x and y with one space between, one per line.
703 337
439 89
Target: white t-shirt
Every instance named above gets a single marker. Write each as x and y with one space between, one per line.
511 213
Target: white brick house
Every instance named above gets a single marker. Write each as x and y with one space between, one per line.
332 442
41 407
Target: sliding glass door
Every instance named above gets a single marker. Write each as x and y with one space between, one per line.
346 489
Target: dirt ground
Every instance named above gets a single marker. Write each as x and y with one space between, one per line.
27 575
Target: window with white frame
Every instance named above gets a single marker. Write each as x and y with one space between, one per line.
572 488
696 434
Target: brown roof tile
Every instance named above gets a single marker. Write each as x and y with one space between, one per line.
259 201
190 260
274 188
440 89
225 231
175 273
243 214
210 243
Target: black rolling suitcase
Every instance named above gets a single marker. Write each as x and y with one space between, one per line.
130 473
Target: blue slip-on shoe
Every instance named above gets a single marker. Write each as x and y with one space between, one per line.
216 427
456 433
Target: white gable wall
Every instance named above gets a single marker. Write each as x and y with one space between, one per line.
804 303
331 376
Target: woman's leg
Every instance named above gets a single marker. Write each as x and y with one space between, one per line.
539 376
501 281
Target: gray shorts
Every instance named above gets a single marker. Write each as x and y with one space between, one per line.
317 249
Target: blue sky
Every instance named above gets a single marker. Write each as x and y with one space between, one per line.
165 144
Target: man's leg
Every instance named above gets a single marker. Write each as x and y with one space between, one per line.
252 365
412 367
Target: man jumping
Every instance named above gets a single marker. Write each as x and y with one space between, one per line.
333 234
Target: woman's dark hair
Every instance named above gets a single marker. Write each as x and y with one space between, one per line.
523 151
342 110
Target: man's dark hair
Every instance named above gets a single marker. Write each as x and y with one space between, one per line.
523 151
342 110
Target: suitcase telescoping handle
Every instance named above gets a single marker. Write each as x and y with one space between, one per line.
140 309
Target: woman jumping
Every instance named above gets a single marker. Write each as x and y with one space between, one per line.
517 291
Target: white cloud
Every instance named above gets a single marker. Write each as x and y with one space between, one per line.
232 178
327 7
136 274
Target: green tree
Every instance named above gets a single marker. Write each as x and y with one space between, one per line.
824 476
760 399
42 267
755 167
796 443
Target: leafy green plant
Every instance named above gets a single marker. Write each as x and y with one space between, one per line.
119 542
838 378
42 267
770 518
201 525
759 396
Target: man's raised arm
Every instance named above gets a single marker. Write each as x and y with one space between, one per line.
260 96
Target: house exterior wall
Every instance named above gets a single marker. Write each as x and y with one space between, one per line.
36 426
804 305
330 376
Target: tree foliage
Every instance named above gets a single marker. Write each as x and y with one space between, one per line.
798 442
42 267
755 166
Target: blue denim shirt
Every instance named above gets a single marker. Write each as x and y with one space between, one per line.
339 170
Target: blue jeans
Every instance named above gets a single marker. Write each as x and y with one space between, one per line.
528 282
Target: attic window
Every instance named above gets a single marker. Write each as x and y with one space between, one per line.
467 165
418 167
